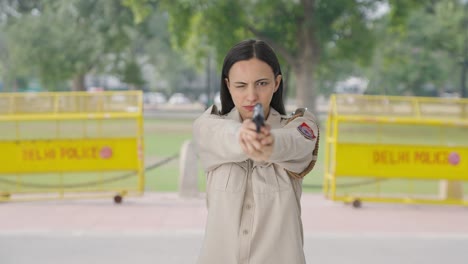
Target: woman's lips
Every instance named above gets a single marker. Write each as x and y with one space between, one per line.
249 108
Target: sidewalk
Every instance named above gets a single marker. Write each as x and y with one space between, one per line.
168 212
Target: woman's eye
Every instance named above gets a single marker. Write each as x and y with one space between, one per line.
263 83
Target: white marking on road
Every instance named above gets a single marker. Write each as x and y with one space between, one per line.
199 232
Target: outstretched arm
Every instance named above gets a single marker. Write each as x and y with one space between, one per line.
216 140
295 145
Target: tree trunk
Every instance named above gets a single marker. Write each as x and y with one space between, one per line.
15 85
78 83
305 87
306 60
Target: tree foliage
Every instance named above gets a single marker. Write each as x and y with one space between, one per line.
412 47
308 34
424 58
65 39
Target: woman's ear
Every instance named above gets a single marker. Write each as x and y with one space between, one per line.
226 80
277 81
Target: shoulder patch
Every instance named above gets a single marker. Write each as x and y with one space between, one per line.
306 131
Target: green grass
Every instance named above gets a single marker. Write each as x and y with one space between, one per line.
163 139
67 129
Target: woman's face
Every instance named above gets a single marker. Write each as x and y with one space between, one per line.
251 82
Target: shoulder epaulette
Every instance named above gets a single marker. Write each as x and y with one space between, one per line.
298 113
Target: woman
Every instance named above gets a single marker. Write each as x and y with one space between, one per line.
254 180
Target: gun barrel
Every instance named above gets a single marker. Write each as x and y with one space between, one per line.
258 117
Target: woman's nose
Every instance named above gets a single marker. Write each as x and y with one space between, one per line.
252 95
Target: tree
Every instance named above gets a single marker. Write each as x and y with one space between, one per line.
65 39
298 31
304 33
423 58
171 67
11 77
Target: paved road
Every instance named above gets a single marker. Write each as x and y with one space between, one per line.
182 247
163 228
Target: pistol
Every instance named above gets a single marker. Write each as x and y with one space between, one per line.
258 117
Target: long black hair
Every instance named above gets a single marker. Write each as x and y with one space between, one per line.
247 50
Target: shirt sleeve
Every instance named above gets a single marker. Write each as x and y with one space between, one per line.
296 145
216 140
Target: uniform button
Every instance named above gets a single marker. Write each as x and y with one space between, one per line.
245 232
248 207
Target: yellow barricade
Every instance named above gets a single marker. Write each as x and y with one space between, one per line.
396 149
71 145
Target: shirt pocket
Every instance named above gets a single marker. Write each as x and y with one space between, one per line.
269 179
229 177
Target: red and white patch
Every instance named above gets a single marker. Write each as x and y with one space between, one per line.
306 131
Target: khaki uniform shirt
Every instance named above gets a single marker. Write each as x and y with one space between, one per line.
254 212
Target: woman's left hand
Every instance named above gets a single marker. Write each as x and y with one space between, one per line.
259 147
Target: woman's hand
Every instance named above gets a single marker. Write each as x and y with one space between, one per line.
266 140
257 146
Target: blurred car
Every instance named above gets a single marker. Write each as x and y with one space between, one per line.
179 98
203 99
154 98
450 94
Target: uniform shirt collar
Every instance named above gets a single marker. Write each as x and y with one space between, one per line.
234 115
273 119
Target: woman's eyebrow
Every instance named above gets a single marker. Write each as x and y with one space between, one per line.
259 80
